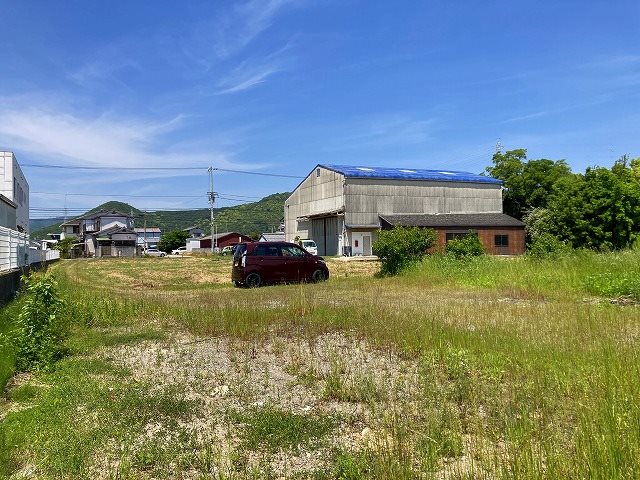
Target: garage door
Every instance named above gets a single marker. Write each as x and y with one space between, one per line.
324 231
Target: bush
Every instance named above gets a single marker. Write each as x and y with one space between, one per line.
40 327
401 246
465 247
64 246
547 245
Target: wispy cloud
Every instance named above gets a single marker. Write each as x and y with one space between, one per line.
238 28
107 140
99 70
596 100
384 131
252 72
241 80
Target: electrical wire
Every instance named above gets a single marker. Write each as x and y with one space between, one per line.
227 170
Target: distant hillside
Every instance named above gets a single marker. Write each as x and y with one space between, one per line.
251 218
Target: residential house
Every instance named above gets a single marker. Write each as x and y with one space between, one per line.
7 213
14 187
148 237
195 232
106 233
343 207
272 237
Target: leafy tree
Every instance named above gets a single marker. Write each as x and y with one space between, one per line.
597 210
64 246
171 240
527 184
401 246
464 247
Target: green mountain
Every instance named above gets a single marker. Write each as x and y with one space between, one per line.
250 219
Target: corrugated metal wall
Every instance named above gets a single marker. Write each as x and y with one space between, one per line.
365 199
316 194
325 233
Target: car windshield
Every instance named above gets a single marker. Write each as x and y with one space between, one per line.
292 251
239 250
309 243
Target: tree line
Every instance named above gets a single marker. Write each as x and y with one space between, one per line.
598 209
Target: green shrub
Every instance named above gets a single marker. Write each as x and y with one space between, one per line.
464 247
40 327
401 246
64 246
548 245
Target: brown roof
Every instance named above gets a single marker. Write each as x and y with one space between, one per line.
462 220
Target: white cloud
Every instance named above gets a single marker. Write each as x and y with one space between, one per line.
236 29
107 140
384 130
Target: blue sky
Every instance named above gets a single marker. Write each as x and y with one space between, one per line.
277 86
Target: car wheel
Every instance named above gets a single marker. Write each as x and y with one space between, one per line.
237 284
318 276
253 280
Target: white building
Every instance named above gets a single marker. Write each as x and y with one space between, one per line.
340 206
148 237
14 186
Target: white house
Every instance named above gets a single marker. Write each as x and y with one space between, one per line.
14 186
102 234
148 237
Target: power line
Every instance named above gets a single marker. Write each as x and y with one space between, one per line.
228 170
119 195
138 196
84 167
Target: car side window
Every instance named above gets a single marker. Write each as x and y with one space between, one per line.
266 251
291 251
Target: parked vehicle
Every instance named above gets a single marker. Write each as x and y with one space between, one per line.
179 251
154 252
259 263
310 246
228 250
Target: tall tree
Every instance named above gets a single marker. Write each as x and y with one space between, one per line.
527 184
171 240
600 209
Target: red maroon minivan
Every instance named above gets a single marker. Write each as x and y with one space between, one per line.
258 263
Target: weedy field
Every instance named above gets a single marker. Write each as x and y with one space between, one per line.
481 368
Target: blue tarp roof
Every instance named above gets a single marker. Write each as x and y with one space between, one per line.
351 171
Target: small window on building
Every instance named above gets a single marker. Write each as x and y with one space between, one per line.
317 172
355 243
502 240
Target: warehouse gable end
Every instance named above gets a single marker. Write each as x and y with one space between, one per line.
342 207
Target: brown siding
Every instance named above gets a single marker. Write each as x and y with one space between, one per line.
487 238
226 240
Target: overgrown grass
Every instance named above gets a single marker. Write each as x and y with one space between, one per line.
570 276
271 429
84 409
526 369
8 316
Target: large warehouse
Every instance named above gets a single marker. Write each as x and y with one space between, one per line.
343 207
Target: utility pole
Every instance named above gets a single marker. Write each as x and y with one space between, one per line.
212 199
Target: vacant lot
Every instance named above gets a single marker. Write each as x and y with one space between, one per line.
487 368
